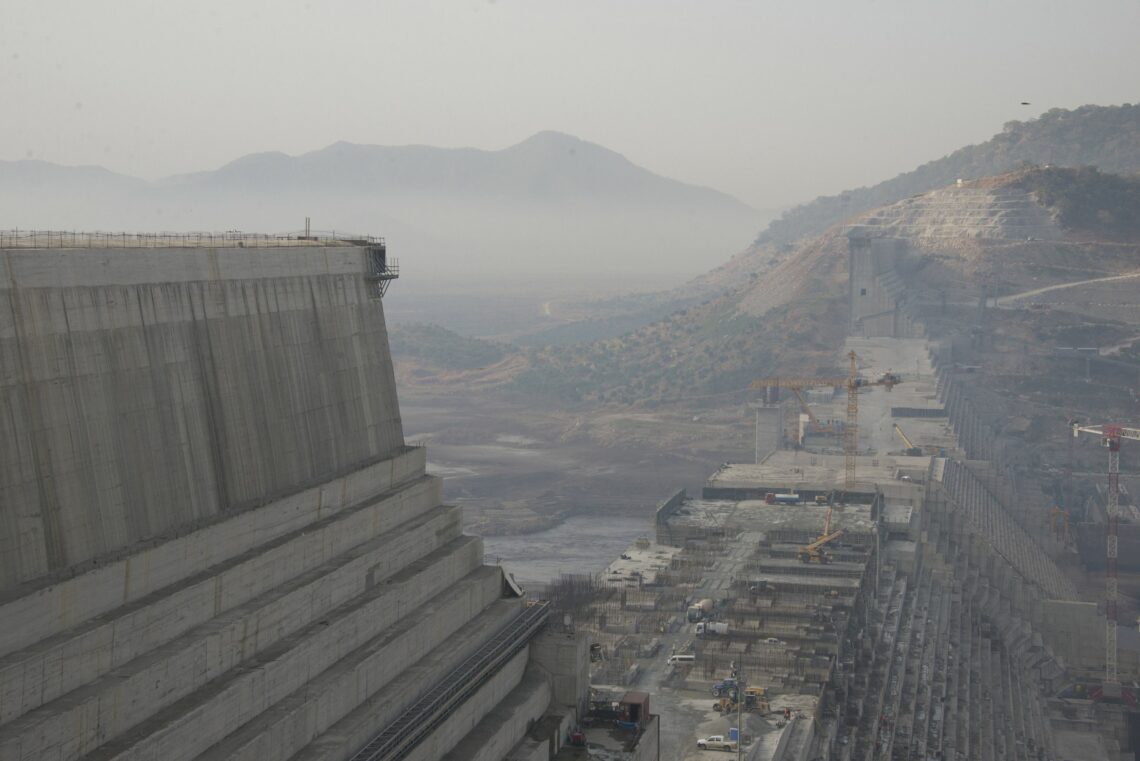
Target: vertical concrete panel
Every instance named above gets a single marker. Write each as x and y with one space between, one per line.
143 391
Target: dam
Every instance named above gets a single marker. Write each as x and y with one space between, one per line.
215 542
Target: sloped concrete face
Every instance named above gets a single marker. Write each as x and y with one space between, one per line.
214 543
144 392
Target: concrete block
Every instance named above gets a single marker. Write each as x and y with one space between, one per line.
188 728
38 674
505 727
379 680
565 660
246 663
47 610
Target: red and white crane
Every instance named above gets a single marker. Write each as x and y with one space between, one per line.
1110 437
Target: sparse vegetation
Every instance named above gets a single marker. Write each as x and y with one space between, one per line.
442 347
1087 199
1107 137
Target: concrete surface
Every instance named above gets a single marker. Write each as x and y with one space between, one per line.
149 390
214 542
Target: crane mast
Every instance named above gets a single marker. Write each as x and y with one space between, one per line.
853 383
851 431
1110 436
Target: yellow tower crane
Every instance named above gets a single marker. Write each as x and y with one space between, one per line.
853 383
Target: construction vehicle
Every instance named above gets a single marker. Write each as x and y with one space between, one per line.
727 686
911 450
754 701
711 627
853 383
700 609
724 705
817 550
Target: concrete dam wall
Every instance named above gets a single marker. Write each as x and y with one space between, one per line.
214 543
145 391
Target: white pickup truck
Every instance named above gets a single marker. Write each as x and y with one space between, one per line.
716 742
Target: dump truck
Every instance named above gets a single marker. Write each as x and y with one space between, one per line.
701 609
711 627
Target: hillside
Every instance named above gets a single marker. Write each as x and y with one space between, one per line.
999 235
1106 137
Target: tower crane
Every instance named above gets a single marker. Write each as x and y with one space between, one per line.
1110 435
853 383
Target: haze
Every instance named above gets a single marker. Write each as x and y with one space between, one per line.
773 102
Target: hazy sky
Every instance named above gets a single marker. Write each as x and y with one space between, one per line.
774 102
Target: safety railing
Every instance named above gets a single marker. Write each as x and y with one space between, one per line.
228 239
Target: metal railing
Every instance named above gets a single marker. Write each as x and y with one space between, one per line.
432 708
228 239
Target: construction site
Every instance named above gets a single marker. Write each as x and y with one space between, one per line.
887 579
217 544
904 613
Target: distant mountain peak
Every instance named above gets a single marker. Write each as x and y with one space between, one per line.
553 142
551 137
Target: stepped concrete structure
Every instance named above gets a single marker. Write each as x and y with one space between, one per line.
214 541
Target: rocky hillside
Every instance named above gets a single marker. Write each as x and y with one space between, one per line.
1004 234
1106 137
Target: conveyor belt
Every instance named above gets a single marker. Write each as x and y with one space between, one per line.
430 710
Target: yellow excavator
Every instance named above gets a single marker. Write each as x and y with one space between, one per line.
817 550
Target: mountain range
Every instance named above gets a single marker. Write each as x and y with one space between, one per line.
552 203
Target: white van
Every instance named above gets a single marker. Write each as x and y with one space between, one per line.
676 658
